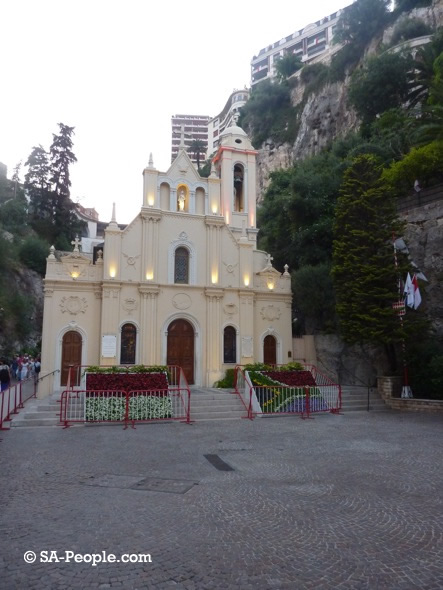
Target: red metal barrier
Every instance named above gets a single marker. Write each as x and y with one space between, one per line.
281 399
128 407
13 398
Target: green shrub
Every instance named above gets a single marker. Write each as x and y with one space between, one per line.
33 253
423 164
409 28
228 380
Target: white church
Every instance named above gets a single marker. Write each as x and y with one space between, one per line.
182 284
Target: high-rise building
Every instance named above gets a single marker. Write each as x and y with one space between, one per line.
225 119
309 44
194 127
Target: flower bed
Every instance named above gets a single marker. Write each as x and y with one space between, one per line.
121 380
108 396
113 408
284 390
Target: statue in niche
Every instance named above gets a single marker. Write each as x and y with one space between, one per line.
181 200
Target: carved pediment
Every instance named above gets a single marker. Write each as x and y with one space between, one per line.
182 167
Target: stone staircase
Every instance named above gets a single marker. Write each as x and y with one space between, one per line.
215 404
38 412
355 399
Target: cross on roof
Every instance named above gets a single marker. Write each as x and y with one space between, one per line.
76 244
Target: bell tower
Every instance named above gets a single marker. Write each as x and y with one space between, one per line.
236 164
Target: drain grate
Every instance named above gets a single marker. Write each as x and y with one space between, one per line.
218 463
146 484
171 486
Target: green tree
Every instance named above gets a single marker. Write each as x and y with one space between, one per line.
407 5
62 157
425 69
363 270
197 148
362 21
409 28
314 299
382 84
33 253
269 113
288 65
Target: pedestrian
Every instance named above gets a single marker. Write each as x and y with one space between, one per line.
24 371
5 375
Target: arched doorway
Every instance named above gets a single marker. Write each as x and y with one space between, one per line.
270 350
71 357
181 347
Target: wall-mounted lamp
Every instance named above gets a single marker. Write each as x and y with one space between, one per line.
214 277
271 284
149 275
214 209
150 200
246 280
75 273
112 272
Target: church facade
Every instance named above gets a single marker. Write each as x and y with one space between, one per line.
182 284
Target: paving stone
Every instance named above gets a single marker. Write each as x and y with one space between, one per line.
339 502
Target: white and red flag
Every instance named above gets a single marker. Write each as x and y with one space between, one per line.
416 292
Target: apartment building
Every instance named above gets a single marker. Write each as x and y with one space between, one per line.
194 127
225 118
308 43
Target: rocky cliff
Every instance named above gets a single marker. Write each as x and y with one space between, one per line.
327 115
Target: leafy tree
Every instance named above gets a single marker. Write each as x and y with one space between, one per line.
314 297
392 133
197 148
363 266
425 69
409 28
361 21
423 164
407 5
48 185
288 65
382 84
273 219
33 253
62 157
269 113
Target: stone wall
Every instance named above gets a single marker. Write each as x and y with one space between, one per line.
390 390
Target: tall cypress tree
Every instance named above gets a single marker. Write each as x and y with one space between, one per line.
363 269
38 189
62 156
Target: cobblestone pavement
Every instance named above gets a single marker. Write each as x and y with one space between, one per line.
342 502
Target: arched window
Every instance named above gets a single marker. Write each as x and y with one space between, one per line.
128 343
239 176
181 266
229 345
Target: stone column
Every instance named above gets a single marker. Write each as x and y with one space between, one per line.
247 352
48 352
213 335
148 324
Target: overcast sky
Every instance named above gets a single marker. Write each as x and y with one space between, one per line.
118 70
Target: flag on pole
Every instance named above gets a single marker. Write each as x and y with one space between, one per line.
416 291
409 291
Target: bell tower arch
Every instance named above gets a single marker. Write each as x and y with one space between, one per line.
236 162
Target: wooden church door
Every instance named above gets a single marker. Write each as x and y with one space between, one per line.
181 347
71 356
270 350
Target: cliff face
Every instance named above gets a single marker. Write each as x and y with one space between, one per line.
327 115
29 286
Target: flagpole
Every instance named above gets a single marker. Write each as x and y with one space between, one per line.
406 391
